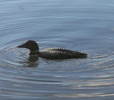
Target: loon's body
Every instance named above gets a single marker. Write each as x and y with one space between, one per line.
51 53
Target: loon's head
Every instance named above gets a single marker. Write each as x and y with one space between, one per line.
31 45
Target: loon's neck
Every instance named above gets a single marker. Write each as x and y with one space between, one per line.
34 52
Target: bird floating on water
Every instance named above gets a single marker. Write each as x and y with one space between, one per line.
51 53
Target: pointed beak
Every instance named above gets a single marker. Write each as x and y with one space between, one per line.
21 46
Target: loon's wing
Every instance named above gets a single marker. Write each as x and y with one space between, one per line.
60 53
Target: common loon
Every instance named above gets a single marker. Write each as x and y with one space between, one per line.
51 53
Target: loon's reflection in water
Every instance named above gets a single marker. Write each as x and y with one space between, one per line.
33 61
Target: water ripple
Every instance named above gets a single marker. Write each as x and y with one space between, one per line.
77 25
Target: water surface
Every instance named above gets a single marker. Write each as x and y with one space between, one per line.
82 25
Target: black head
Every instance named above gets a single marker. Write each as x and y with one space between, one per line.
31 45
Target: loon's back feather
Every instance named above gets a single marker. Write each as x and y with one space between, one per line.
60 53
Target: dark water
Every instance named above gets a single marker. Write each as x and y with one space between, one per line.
82 25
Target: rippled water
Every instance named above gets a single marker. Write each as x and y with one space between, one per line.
82 25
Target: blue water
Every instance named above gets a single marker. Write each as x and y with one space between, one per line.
81 25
